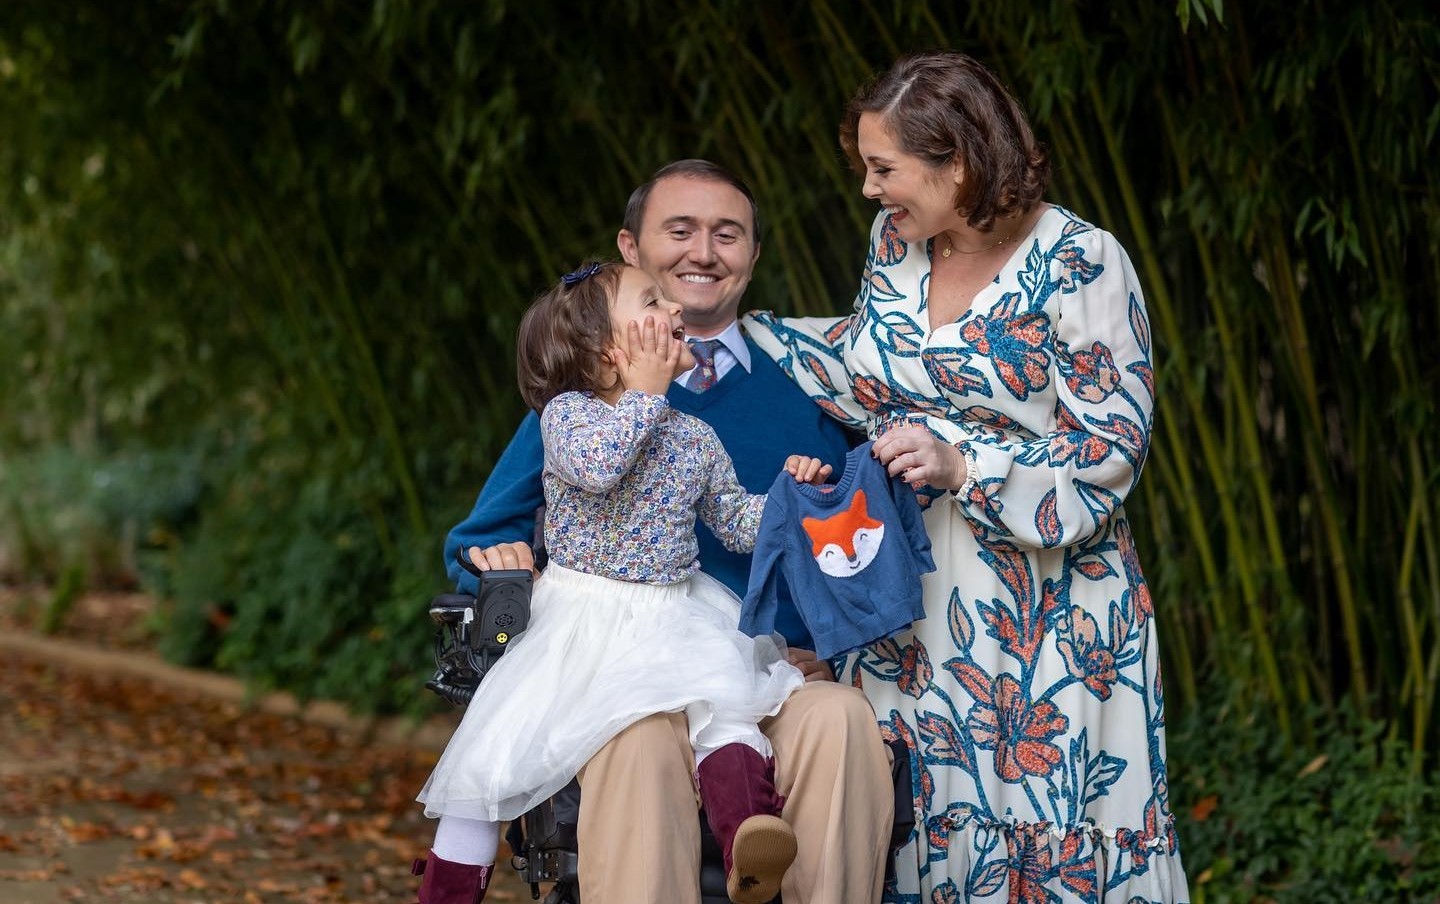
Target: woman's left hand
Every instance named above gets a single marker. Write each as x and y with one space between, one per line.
918 458
806 469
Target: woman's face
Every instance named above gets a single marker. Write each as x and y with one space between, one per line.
637 297
919 197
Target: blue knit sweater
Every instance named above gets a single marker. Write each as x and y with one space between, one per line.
761 418
852 552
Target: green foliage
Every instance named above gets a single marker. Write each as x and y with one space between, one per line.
1351 819
298 594
281 247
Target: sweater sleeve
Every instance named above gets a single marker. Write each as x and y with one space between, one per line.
505 510
913 522
762 596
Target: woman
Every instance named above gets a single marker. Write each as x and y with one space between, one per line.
999 354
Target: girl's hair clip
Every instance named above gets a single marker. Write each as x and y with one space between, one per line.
579 276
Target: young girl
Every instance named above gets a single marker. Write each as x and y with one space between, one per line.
623 624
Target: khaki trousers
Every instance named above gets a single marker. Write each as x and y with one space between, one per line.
640 838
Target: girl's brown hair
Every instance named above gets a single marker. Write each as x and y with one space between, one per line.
565 334
945 107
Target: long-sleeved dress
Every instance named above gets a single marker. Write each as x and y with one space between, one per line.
623 623
1030 695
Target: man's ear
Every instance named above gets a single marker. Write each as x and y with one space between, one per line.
629 249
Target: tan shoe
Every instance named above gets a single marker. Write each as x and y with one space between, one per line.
763 849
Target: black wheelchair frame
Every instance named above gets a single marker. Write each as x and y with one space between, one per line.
472 631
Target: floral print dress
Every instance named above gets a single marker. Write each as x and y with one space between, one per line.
1030 695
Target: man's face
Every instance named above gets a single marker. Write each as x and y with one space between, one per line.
697 239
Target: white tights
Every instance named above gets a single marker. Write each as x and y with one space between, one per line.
462 840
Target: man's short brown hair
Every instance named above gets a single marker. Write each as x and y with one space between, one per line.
693 168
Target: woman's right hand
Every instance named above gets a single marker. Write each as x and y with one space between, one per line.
917 457
503 556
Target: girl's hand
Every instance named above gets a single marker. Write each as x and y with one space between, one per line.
918 458
806 469
649 358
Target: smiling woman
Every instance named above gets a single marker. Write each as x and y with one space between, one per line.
1011 386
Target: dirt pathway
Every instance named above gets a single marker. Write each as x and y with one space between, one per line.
118 788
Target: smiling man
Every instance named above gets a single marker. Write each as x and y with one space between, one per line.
694 227
697 235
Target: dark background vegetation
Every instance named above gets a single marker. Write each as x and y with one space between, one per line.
261 262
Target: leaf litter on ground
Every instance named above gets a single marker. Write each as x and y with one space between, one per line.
115 789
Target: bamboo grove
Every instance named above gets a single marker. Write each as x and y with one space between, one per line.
261 264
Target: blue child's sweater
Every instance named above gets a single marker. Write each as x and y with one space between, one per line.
852 552
761 418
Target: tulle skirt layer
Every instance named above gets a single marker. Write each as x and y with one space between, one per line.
599 655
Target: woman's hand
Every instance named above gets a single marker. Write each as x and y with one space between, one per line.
918 458
503 556
806 469
649 357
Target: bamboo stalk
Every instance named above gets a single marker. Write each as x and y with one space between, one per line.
1239 395
1284 291
1158 295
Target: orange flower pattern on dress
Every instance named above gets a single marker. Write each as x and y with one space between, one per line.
1030 696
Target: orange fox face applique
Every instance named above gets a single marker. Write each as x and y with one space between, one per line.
845 543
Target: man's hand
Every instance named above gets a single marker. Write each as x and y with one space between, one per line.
504 556
812 668
807 470
649 357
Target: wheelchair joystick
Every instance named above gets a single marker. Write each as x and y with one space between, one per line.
472 631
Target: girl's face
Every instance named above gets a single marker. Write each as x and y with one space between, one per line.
638 297
919 197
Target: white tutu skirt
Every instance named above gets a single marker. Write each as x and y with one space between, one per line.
598 656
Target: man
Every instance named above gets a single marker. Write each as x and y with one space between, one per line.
694 228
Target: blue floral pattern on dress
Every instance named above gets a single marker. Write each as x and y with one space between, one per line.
1030 697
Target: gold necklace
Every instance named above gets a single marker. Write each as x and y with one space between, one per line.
950 243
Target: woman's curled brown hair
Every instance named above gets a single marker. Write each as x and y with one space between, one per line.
945 107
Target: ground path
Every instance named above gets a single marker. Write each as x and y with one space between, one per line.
124 779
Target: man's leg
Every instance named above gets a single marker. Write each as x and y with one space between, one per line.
832 768
639 829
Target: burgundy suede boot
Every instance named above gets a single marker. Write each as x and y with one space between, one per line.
737 786
448 882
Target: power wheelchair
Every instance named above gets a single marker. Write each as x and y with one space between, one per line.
472 631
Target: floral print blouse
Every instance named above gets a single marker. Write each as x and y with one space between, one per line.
624 484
